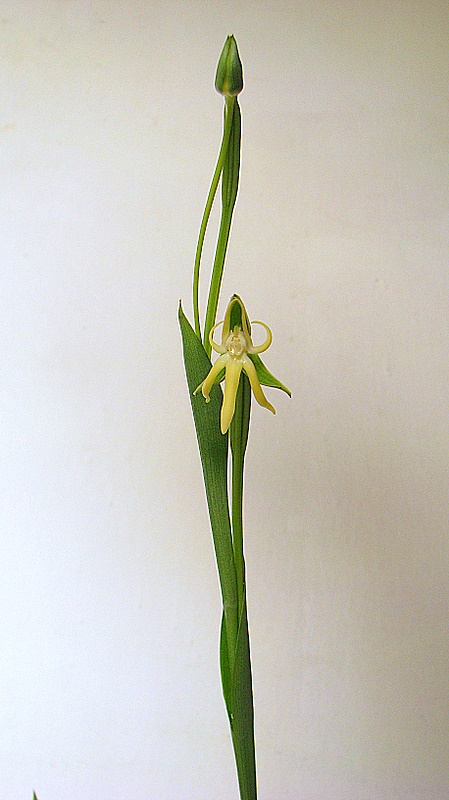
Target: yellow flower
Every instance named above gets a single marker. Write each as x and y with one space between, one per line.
236 344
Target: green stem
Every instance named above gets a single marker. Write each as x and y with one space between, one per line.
227 126
238 435
217 274
230 181
237 527
242 707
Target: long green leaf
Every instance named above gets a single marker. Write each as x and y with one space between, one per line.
213 447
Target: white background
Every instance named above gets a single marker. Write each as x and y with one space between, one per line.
109 600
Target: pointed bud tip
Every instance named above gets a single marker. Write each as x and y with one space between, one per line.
229 77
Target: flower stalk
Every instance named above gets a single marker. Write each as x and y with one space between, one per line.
222 421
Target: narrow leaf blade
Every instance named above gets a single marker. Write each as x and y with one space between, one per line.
265 376
225 668
213 447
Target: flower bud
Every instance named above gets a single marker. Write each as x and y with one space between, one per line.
229 77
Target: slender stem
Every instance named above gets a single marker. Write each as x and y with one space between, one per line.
230 180
243 707
237 498
238 438
227 126
217 274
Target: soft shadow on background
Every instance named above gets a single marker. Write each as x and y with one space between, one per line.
109 604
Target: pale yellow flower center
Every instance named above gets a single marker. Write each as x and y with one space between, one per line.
236 343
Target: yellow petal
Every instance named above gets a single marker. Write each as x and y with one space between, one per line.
250 370
208 382
232 377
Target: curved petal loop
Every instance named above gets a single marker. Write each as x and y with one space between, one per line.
219 348
260 348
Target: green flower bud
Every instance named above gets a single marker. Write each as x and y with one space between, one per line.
229 77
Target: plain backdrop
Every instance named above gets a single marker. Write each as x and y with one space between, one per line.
109 601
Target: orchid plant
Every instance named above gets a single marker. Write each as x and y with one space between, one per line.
222 423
